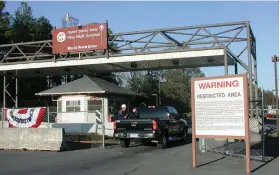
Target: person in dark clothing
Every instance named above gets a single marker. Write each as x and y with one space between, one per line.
122 114
135 114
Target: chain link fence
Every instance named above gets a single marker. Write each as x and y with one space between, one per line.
83 128
262 122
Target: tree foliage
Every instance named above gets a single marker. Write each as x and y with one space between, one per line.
25 27
4 24
176 88
144 81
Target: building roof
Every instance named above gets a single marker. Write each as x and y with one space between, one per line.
88 85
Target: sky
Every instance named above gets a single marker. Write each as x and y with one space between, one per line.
133 16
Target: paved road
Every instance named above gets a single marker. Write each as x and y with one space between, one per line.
136 160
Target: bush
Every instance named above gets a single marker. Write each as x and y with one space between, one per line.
272 134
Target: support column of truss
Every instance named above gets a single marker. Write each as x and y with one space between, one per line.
7 82
250 71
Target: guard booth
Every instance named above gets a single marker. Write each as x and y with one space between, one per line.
90 101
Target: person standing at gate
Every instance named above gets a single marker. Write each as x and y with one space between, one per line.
122 114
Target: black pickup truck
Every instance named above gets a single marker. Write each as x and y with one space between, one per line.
158 125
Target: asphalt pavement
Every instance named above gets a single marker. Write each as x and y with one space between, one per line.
135 160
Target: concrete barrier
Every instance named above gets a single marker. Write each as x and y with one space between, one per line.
76 127
5 124
47 139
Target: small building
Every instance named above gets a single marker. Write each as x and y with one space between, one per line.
90 100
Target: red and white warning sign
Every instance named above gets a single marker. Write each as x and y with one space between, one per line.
220 110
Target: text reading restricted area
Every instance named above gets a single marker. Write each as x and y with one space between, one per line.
218 95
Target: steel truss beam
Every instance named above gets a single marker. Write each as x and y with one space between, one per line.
139 42
144 41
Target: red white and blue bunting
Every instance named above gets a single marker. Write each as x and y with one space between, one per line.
25 117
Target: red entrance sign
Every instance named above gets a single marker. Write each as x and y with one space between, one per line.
81 38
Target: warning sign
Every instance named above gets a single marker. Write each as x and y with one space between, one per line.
220 110
219 106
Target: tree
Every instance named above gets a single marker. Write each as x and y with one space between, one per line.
4 24
135 81
177 88
25 27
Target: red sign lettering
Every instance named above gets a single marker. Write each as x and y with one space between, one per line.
222 84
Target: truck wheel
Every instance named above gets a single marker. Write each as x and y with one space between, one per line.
163 143
185 135
125 143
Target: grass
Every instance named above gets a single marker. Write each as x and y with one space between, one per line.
272 134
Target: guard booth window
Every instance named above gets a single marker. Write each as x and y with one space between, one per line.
73 106
94 105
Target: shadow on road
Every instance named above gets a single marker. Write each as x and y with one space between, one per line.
264 164
212 161
72 146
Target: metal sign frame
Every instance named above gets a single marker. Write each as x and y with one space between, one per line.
246 138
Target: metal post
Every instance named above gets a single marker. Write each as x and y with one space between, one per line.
235 68
157 100
4 99
225 61
250 69
49 115
263 141
275 59
159 93
16 90
156 95
226 73
256 77
256 93
107 50
203 145
103 124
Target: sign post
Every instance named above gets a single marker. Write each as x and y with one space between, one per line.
220 110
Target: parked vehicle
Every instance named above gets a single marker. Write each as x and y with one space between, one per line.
159 125
270 112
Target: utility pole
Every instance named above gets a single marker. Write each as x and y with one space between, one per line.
156 95
159 93
275 59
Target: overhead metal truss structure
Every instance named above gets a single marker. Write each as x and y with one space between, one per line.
236 38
